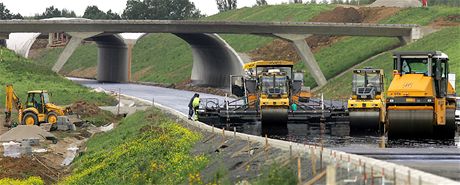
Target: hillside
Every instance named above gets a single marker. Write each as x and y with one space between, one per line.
26 75
164 58
446 40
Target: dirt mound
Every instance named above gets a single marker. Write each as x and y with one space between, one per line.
85 109
374 15
277 50
283 50
449 21
340 14
22 168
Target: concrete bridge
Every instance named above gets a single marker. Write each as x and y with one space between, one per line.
214 60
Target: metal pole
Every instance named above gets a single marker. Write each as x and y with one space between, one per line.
119 101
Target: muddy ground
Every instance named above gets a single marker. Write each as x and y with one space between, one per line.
47 165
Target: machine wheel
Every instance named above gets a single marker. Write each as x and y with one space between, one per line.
274 117
51 118
410 124
364 121
30 119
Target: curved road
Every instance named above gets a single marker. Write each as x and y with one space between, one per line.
441 159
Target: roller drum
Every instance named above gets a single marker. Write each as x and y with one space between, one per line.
274 116
410 123
364 120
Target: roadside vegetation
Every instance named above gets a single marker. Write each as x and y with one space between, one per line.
26 75
28 181
446 40
146 148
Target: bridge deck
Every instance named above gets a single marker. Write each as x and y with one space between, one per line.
229 27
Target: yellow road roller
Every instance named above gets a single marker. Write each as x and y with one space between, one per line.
420 100
366 106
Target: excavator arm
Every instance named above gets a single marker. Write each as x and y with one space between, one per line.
12 101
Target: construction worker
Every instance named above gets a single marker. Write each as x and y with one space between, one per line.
193 106
425 3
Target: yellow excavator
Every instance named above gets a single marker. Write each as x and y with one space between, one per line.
36 110
367 104
420 100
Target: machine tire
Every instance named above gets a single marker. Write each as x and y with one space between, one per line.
30 115
52 116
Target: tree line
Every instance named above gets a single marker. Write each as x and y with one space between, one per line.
173 9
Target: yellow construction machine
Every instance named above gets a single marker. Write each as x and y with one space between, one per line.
276 88
367 105
37 108
420 100
270 92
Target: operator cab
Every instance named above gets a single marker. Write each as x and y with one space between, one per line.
38 100
367 83
431 64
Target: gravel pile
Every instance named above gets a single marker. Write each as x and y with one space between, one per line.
396 3
22 132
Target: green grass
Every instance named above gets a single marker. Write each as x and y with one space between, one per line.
145 148
447 41
25 75
28 181
422 16
347 53
277 175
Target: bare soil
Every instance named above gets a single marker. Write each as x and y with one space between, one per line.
85 109
283 50
449 21
21 168
89 72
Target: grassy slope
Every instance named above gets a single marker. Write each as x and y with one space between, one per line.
446 40
165 58
146 148
287 12
25 76
352 50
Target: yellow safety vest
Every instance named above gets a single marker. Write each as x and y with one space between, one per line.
196 102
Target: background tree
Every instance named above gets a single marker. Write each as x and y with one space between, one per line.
225 5
161 9
298 1
261 2
93 12
5 14
51 12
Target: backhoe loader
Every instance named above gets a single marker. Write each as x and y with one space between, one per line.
36 110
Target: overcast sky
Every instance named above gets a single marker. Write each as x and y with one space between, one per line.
32 7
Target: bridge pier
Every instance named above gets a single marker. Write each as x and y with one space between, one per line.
213 60
3 37
307 56
112 59
73 44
